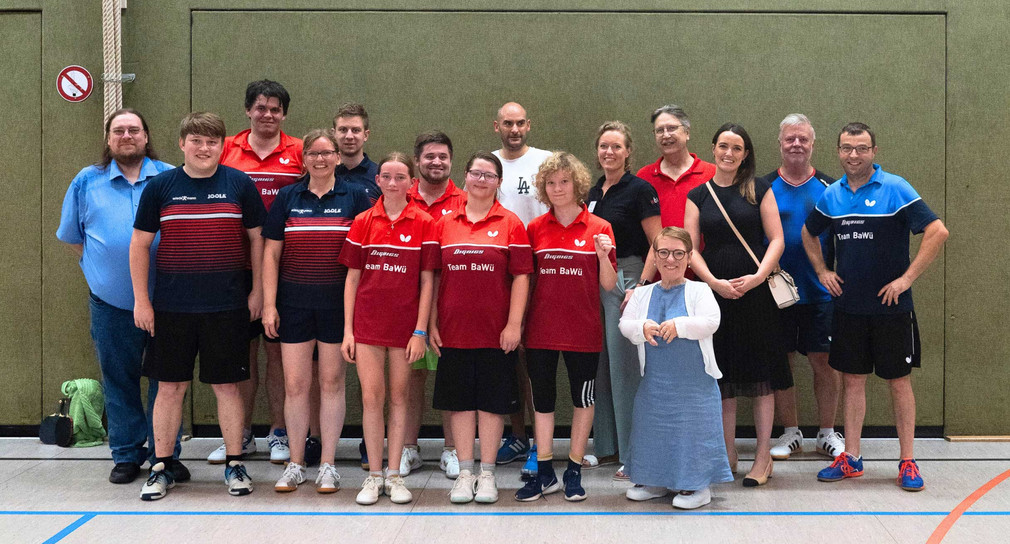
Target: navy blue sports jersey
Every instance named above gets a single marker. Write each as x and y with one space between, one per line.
362 175
313 230
201 260
871 229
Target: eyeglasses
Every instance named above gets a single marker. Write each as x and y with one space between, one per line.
859 149
120 132
672 129
317 154
477 175
677 254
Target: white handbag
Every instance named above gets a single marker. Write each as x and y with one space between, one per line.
781 284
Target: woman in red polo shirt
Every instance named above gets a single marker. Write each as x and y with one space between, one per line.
390 254
476 322
575 257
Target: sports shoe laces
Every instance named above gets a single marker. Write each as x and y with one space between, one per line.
278 441
156 476
484 477
291 471
909 469
328 469
239 472
842 462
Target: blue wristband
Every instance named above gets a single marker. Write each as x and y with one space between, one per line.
420 333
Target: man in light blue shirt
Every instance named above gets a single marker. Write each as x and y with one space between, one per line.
97 221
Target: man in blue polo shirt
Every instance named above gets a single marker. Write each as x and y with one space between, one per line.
97 221
807 325
350 126
871 213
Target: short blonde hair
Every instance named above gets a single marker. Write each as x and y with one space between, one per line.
675 233
562 161
318 134
615 126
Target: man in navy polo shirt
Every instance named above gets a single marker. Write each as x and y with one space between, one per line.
798 186
871 212
209 217
97 220
350 126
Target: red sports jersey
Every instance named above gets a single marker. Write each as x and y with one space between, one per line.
452 200
478 263
391 255
564 311
282 167
673 192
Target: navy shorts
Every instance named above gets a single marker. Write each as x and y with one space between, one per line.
220 338
303 324
886 344
477 379
807 327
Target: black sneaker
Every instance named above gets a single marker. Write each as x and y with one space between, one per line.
179 471
124 473
573 483
536 487
313 451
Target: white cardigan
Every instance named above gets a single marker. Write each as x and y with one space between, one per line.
699 324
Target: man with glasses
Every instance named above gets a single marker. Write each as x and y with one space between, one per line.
870 213
97 222
350 126
520 163
273 160
797 186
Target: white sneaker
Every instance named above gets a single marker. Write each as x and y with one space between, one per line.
294 475
370 490
786 445
220 455
327 480
830 444
462 489
645 492
487 491
278 442
158 483
410 459
238 480
449 463
689 500
397 490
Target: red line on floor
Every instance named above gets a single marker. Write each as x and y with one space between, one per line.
955 514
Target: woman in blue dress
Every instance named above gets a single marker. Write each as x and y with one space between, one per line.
676 430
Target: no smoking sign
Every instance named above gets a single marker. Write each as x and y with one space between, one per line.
74 83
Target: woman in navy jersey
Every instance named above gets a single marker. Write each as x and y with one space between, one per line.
476 322
574 259
390 254
303 286
631 206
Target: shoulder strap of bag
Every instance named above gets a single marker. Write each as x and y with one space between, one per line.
725 215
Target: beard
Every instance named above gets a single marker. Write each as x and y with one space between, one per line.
129 158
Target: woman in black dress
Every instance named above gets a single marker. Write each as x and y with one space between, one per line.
747 345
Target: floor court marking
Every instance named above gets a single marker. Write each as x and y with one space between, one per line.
961 509
69 529
87 515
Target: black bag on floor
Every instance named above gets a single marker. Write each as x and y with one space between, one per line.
58 428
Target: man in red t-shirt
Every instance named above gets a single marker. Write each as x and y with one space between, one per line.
273 160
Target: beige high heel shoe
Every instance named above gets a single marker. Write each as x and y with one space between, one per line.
754 480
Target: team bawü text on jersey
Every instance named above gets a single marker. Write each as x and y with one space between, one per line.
478 263
313 230
201 259
564 308
391 255
282 167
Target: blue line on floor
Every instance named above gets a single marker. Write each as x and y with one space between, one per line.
69 529
87 515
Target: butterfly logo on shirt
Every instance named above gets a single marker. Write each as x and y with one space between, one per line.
446 212
404 237
579 243
870 203
492 233
283 160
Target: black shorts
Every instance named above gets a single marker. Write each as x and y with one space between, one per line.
887 344
220 339
807 327
477 379
542 365
256 330
304 324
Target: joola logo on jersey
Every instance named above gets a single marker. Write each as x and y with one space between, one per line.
404 238
284 161
580 243
183 198
217 195
492 233
524 186
332 210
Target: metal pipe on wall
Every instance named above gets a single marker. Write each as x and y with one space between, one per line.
112 55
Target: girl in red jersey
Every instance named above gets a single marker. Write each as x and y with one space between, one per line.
390 254
575 257
476 321
303 285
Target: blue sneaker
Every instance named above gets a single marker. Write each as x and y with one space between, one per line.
511 449
573 483
529 469
908 476
238 480
364 455
536 488
844 466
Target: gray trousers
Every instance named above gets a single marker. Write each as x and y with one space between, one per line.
619 374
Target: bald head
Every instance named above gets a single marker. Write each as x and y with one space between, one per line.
512 127
511 109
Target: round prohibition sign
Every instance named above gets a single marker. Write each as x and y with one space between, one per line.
74 83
